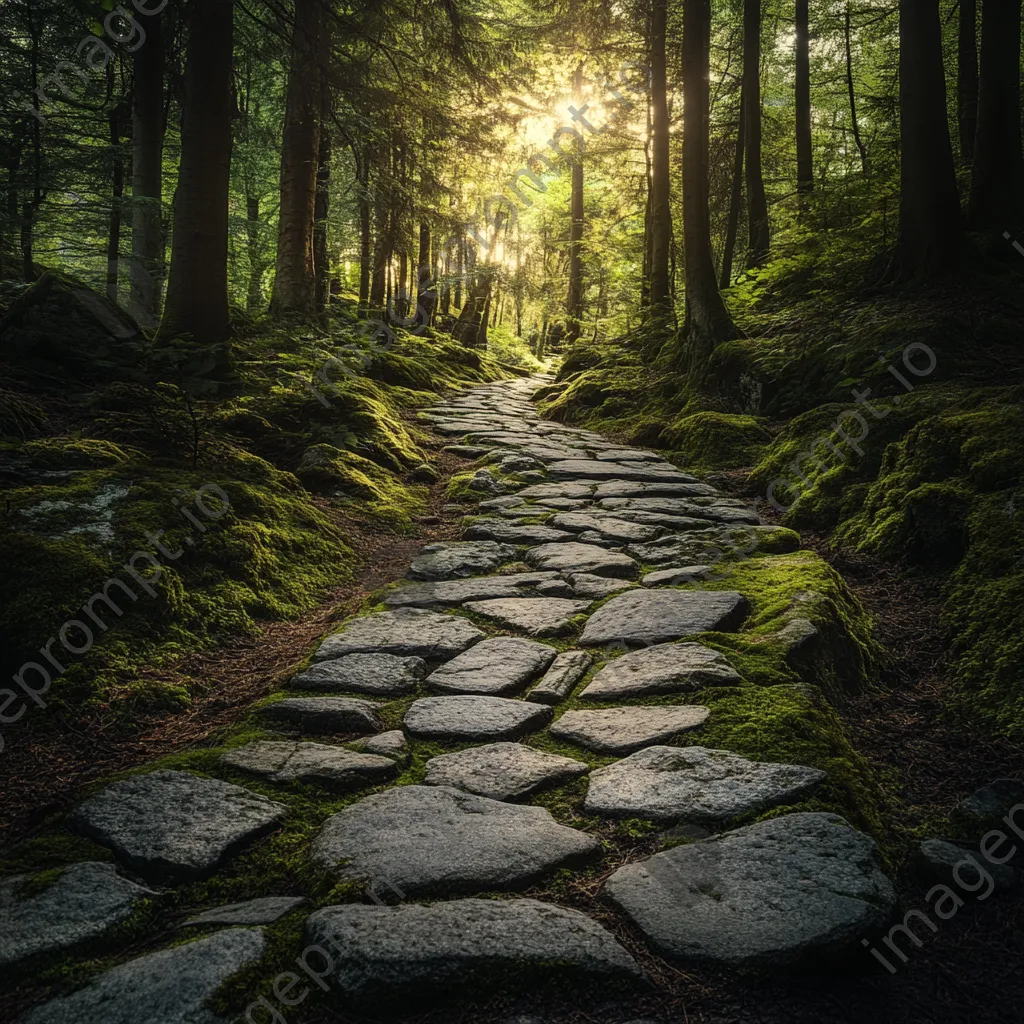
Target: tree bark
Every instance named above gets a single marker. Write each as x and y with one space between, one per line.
661 213
757 204
147 267
735 201
254 292
967 78
426 288
116 191
295 277
321 207
931 228
707 320
197 287
574 298
854 123
998 172
365 240
804 151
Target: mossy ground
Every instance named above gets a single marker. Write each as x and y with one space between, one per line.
114 466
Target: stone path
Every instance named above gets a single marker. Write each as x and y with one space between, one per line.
526 688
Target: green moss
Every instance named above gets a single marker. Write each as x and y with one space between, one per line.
372 490
716 440
794 724
840 654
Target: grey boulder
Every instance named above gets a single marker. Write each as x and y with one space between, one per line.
571 557
538 616
474 717
499 666
172 986
454 559
389 954
85 901
768 893
318 763
663 668
454 592
654 616
324 714
405 632
169 825
694 784
384 675
623 730
560 680
502 771
439 840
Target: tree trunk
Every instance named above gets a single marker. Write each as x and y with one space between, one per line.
254 293
931 229
735 201
574 299
365 242
854 123
757 204
998 172
147 267
661 212
967 78
197 287
381 253
460 273
804 151
321 263
426 288
707 320
116 193
295 277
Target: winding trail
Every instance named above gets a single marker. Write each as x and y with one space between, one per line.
534 689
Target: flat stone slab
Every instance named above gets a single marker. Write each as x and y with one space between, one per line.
264 910
608 526
439 840
499 666
663 668
623 730
689 488
479 588
473 717
455 559
695 784
502 771
559 680
384 675
538 616
586 584
572 557
169 825
767 893
564 489
396 953
654 616
318 763
592 469
85 901
172 986
517 533
672 577
386 744
406 632
324 714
